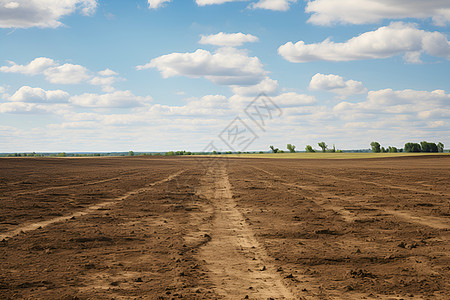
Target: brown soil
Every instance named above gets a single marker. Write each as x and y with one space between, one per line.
169 228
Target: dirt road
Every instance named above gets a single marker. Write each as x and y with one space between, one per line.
238 266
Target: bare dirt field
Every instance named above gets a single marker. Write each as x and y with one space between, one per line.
209 228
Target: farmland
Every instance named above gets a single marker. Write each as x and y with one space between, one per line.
225 227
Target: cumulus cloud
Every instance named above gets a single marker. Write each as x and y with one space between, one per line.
41 13
55 73
227 66
327 12
228 39
21 108
38 95
36 66
336 84
108 72
67 74
117 99
267 86
212 2
278 5
396 39
154 4
416 104
63 74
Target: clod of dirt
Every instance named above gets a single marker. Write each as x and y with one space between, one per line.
263 268
402 245
289 276
139 279
361 274
326 231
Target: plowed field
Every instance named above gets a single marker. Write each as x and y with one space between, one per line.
217 228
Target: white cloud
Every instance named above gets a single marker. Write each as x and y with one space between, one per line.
336 84
67 74
395 39
421 104
227 66
212 2
327 12
36 66
41 13
108 72
64 74
154 4
38 95
228 39
105 82
20 108
278 5
55 73
267 86
118 99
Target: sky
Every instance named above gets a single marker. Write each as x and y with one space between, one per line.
239 75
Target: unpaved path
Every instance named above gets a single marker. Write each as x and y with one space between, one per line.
33 226
238 265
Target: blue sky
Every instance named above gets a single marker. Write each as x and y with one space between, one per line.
91 75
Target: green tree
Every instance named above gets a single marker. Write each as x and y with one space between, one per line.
393 149
130 153
412 147
323 146
428 147
274 150
376 147
440 147
309 149
291 148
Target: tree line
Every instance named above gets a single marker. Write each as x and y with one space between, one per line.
308 148
424 146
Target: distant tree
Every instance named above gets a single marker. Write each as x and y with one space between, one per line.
384 150
333 150
274 150
376 147
309 149
428 147
393 149
280 151
291 148
412 147
130 153
62 154
323 146
440 147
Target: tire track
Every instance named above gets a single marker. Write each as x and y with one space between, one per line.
238 265
72 185
90 209
347 215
